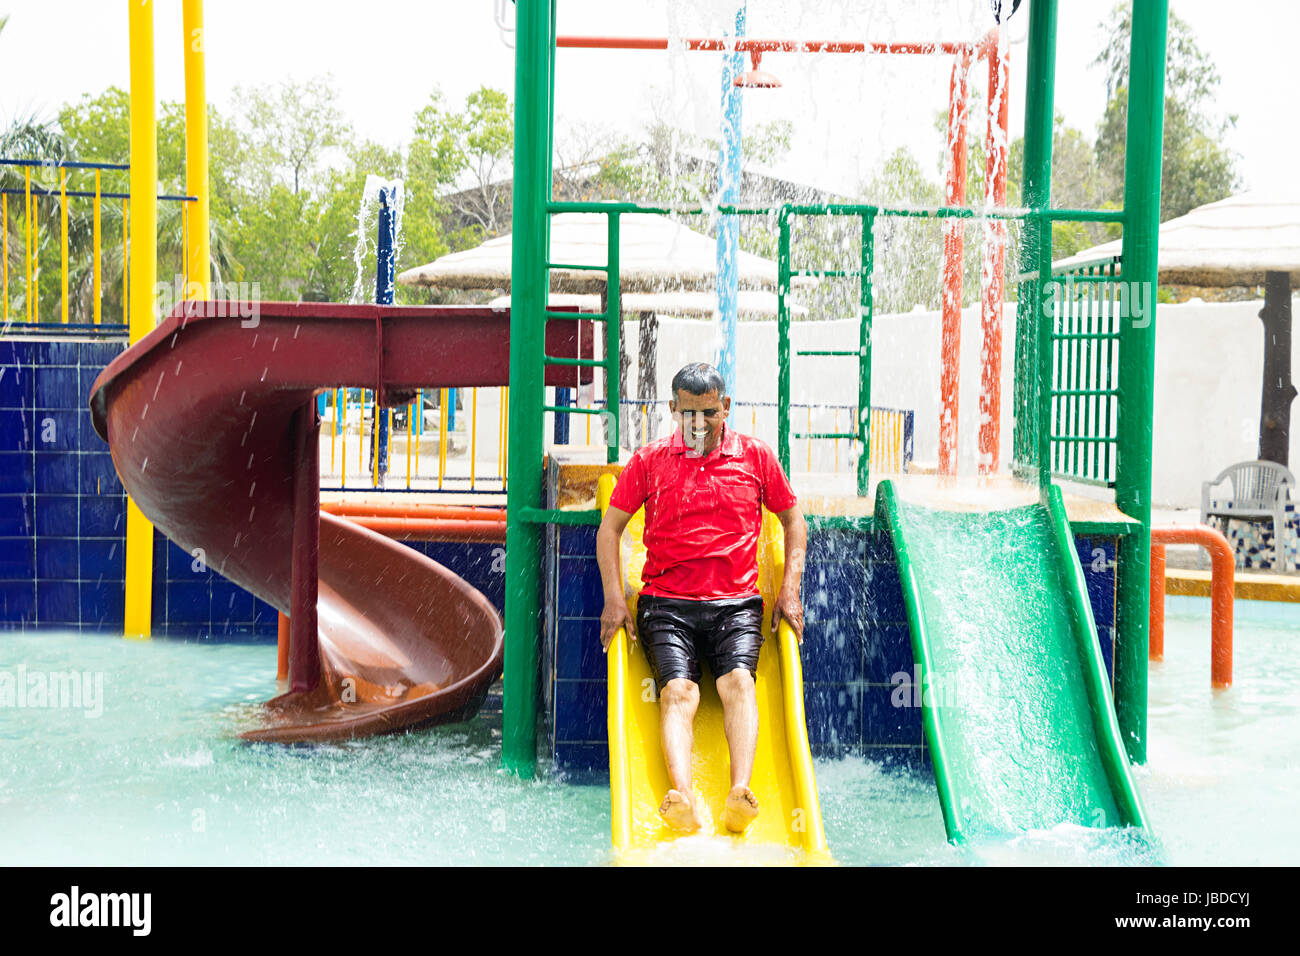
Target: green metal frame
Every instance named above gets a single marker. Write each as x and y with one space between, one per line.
1053 351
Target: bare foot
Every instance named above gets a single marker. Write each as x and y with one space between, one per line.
741 809
678 811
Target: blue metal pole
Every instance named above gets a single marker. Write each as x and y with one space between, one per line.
729 155
384 288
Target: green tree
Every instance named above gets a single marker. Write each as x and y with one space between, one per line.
1196 167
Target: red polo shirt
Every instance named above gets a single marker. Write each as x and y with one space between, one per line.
703 515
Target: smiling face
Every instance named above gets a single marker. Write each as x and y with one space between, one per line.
700 419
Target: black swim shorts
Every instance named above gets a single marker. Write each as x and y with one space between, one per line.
677 634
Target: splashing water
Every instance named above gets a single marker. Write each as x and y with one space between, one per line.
366 248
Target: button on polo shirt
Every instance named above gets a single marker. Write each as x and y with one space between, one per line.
703 515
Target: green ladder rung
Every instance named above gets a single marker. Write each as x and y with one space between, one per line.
578 316
827 273
586 363
1059 336
572 410
573 267
854 352
826 435
1082 438
1084 391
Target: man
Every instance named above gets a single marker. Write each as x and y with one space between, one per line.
702 487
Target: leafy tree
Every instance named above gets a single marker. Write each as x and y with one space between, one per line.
1196 167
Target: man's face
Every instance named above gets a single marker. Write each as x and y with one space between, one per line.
700 419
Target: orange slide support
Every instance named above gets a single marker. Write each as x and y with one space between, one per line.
1221 591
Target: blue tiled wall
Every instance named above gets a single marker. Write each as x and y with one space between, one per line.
856 649
63 515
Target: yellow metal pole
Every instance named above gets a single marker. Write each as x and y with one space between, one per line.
95 304
198 259
473 435
419 431
63 243
4 216
442 435
27 239
334 410
505 434
343 444
410 440
144 230
126 285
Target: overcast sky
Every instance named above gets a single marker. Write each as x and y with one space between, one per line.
849 111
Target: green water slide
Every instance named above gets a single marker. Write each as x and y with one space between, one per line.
1016 702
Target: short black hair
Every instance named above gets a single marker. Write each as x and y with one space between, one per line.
699 378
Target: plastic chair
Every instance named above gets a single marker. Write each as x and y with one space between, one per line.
1260 489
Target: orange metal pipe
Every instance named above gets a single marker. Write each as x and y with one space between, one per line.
414 510
953 243
994 49
1156 641
434 529
1222 577
282 647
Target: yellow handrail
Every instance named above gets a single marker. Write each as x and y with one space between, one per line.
96 305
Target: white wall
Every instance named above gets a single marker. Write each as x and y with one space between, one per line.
1209 362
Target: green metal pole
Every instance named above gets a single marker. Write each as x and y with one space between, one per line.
1036 236
613 340
1136 380
527 338
864 355
783 341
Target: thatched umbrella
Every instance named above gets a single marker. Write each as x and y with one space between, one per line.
1249 239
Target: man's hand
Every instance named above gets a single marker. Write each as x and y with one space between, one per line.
614 616
789 609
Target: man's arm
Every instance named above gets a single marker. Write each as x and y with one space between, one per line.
615 614
788 606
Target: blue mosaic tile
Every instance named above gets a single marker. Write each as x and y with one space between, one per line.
887 651
17 386
189 603
56 473
581 591
101 515
98 476
827 544
17 559
17 516
580 710
48 352
832 651
834 717
57 602
577 540
890 715
17 473
17 432
578 654
102 605
17 603
582 762
885 604
103 558
57 559
57 388
98 354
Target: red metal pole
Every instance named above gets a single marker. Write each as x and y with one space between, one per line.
953 245
1222 578
1156 643
995 244
304 647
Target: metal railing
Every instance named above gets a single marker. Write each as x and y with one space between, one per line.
59 197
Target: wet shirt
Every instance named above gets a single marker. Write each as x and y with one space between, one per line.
703 514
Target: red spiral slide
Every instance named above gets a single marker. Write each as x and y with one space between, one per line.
212 425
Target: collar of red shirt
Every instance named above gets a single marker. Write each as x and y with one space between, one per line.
729 445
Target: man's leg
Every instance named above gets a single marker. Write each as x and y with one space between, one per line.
740 721
678 702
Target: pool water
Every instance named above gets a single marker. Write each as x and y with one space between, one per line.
156 777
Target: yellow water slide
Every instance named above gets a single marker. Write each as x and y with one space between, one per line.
790 817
